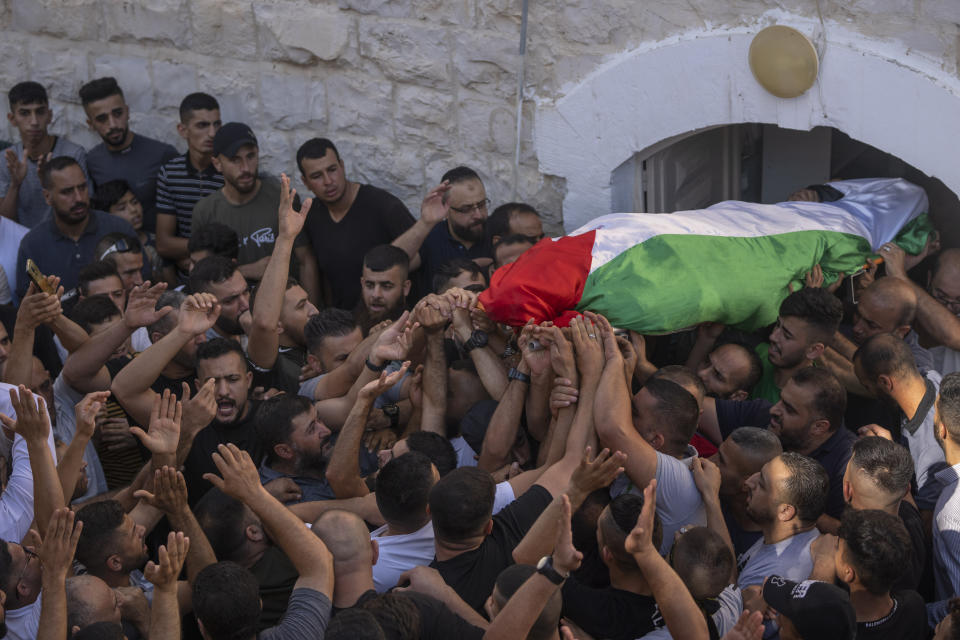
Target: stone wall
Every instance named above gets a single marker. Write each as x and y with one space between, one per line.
406 88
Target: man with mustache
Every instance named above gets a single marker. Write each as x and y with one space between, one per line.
64 243
248 204
123 154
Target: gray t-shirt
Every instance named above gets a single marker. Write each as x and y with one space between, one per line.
917 434
31 207
789 558
307 616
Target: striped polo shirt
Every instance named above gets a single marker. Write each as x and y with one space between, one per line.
180 186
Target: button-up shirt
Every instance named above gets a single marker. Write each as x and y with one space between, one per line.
946 534
311 489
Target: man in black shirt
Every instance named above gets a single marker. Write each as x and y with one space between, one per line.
347 219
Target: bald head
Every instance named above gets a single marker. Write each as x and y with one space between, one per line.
347 538
90 600
888 305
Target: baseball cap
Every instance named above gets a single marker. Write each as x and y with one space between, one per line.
818 610
230 137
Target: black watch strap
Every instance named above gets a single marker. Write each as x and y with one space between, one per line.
545 568
516 374
375 368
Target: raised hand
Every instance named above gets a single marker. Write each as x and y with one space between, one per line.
386 380
748 627
141 305
38 308
461 301
290 221
706 475
163 432
425 580
535 346
562 360
434 208
395 341
16 166
198 314
284 489
563 394
415 388
115 433
169 491
566 558
588 345
874 430
59 545
640 540
32 423
199 410
629 355
170 558
238 477
596 473
86 412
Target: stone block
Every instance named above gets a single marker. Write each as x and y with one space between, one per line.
453 12
487 63
485 125
224 28
172 82
381 8
147 22
301 33
61 72
277 154
424 115
360 105
73 19
505 15
236 89
133 76
69 120
13 52
291 101
159 126
407 52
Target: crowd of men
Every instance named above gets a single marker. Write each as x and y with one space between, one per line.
229 413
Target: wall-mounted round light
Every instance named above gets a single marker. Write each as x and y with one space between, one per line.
783 61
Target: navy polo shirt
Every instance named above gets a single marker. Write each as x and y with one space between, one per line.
441 247
57 254
834 455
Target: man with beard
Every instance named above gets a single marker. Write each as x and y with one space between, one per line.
384 285
885 366
346 219
296 444
221 277
248 204
730 372
462 202
123 154
224 362
65 241
785 498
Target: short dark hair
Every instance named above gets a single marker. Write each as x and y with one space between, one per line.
806 486
222 519
757 442
28 92
948 405
451 269
397 615
94 310
217 238
100 631
459 174
830 397
274 421
888 464
704 562
403 490
315 148
436 447
885 355
327 322
354 624
386 256
461 503
677 411
226 599
198 101
211 270
818 308
513 238
877 545
96 270
111 240
498 224
165 324
509 582
109 194
99 89
220 347
100 523
623 513
56 164
682 376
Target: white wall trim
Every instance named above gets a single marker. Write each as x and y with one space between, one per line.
878 92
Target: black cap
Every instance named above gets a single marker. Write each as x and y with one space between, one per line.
231 137
818 610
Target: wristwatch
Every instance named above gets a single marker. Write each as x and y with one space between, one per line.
375 368
516 374
545 568
392 411
477 339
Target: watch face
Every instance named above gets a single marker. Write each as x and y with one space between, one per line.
544 561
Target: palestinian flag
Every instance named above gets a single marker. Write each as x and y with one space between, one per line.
730 263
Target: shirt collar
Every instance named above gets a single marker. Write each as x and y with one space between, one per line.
949 476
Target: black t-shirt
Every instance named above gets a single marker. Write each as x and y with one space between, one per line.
285 374
242 433
376 217
472 574
437 622
276 576
609 613
912 574
906 621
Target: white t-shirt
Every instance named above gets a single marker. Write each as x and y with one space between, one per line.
23 623
790 558
466 456
404 552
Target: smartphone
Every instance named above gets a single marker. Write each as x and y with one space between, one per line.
38 278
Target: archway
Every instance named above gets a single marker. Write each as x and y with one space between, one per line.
875 92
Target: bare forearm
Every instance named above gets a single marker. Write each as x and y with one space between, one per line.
343 471
69 468
136 377
937 320
538 407
84 369
433 417
19 369
200 554
502 431
53 611
47 491
72 336
491 372
678 608
365 507
718 524
264 340
165 613
522 610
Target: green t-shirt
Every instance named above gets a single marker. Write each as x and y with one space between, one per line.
766 388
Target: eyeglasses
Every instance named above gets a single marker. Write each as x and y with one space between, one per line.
120 246
29 554
470 208
950 303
